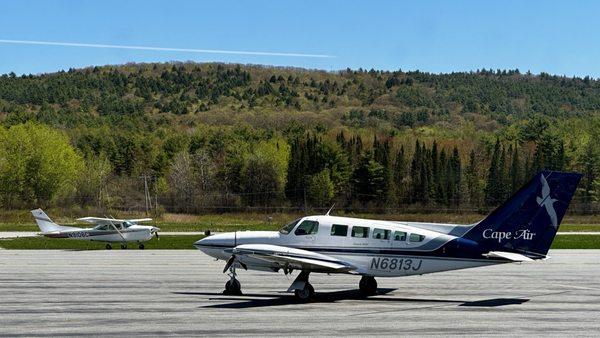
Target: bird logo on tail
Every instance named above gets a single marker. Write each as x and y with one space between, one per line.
548 202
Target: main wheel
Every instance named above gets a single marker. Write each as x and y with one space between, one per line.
123 246
108 246
141 246
306 293
368 286
233 287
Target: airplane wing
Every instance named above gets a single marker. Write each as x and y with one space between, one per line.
139 220
293 258
101 220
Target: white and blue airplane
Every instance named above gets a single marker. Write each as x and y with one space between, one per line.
522 229
108 230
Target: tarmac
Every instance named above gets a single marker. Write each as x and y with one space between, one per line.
178 292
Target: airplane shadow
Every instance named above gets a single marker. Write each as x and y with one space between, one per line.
257 300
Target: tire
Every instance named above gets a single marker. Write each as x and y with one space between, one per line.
233 287
124 246
368 286
108 247
141 246
304 295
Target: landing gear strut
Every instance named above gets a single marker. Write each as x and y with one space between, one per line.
368 286
303 290
108 246
233 286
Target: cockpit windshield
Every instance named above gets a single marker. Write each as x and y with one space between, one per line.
286 229
127 224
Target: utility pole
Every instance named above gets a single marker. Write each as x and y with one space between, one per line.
146 192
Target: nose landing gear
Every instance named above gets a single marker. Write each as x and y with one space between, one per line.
233 287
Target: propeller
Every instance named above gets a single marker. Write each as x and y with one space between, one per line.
155 232
287 270
232 259
230 262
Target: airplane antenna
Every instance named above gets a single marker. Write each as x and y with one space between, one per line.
328 211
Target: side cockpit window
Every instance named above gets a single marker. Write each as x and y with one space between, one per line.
307 228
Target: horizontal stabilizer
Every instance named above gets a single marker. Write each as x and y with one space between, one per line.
511 256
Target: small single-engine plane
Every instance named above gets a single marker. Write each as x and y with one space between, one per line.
522 229
109 230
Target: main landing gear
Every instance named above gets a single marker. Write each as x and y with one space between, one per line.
368 286
108 246
233 286
141 246
124 246
303 290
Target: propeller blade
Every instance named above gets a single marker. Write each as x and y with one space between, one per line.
243 265
229 263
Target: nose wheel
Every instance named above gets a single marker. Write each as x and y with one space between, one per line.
141 246
108 246
368 286
233 286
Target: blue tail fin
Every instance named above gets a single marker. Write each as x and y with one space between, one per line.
529 220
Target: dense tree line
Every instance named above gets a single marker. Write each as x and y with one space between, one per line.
221 137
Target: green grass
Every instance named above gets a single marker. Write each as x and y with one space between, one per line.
576 242
187 241
38 243
579 227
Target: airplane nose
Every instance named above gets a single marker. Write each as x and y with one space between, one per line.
216 241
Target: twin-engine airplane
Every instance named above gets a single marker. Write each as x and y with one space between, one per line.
522 229
107 230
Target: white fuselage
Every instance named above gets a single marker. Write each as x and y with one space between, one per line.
134 233
389 249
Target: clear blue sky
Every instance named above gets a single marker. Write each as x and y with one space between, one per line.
558 37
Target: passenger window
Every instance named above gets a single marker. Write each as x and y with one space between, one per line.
416 238
307 228
400 236
360 232
339 230
381 234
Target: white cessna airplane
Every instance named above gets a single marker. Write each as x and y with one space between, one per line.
107 230
521 229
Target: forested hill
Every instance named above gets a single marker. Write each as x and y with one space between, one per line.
226 94
231 136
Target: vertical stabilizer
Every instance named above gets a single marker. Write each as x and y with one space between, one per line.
44 222
528 221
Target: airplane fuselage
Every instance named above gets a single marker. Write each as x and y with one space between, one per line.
135 233
375 248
